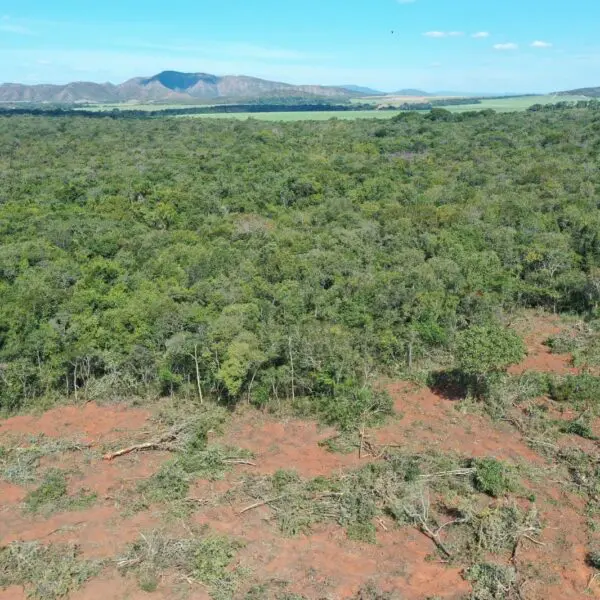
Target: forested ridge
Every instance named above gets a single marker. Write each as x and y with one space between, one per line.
240 260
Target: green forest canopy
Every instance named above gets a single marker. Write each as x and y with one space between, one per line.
246 260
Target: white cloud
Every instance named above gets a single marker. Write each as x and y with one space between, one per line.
480 35
540 44
443 34
507 46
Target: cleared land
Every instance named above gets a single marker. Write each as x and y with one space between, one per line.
270 511
497 104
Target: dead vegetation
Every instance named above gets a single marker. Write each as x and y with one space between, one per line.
447 498
46 572
20 461
199 559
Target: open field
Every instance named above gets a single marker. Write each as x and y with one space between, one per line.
323 115
497 104
141 106
513 104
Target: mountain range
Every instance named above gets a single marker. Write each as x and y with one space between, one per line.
170 86
589 92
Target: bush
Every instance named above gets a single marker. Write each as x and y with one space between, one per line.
354 407
492 477
484 349
576 389
492 582
52 495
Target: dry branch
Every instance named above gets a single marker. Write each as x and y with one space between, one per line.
158 444
261 503
456 472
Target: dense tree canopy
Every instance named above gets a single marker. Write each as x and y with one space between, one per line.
283 260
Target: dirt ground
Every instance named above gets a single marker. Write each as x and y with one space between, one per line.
323 564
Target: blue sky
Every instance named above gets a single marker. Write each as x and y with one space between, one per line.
465 45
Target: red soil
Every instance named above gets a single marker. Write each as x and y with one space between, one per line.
89 422
431 421
540 358
324 564
290 444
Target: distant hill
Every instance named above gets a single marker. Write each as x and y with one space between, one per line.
363 90
172 87
590 92
410 92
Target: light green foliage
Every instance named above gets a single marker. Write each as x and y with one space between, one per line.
418 490
47 572
204 558
19 463
172 481
51 496
194 458
493 582
484 349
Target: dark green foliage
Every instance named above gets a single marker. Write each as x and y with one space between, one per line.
492 477
579 427
271 262
46 572
576 389
353 406
593 559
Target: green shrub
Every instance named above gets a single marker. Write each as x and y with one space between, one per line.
492 582
576 389
485 349
578 427
492 477
362 532
353 406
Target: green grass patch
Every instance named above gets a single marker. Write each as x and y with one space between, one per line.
46 572
172 481
51 496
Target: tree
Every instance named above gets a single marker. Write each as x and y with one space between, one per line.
488 349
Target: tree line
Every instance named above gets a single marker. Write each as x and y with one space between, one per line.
261 262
